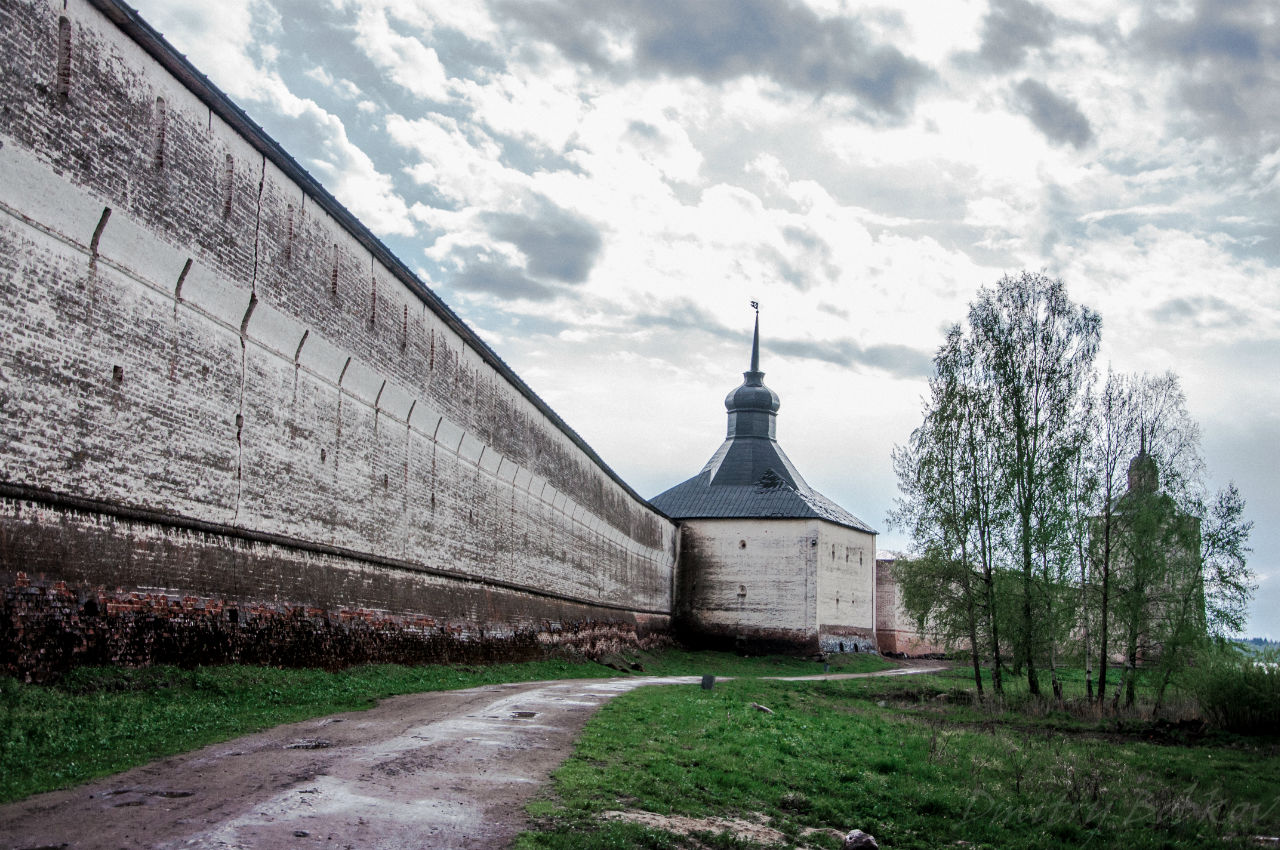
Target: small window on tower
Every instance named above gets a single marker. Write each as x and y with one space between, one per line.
62 73
160 126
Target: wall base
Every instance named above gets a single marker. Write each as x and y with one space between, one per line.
81 587
907 643
837 639
744 641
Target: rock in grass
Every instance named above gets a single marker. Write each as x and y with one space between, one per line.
859 840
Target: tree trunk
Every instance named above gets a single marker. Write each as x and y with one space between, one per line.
1028 581
1164 684
1053 676
997 663
1106 601
972 622
1130 668
977 662
1115 700
1130 691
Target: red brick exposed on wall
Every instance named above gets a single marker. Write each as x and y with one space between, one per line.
46 628
895 634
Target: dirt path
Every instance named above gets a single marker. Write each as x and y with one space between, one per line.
446 769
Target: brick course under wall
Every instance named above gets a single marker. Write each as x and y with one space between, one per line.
214 384
46 629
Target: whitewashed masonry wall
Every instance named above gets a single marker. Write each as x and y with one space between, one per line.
210 382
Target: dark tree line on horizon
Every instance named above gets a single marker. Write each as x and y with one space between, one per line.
1058 515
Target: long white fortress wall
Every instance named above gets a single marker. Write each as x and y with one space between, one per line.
213 379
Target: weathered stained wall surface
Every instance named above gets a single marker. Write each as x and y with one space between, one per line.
895 633
750 582
207 383
846 589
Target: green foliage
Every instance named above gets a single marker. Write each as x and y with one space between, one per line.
1240 691
987 478
915 761
1228 581
681 662
1050 523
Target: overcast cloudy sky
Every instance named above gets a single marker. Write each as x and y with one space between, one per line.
600 188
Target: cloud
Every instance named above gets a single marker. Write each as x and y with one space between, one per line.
1227 56
900 361
408 61
351 175
684 314
1056 116
458 161
1200 312
1010 28
805 261
497 277
721 40
1216 31
220 37
555 242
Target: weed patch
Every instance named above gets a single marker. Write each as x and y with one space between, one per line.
906 760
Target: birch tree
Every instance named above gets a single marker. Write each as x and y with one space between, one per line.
1038 348
1109 453
940 591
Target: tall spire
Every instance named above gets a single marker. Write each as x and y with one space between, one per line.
755 340
752 406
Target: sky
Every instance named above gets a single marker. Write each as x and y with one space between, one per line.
600 188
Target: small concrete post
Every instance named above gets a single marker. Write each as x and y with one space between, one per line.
708 682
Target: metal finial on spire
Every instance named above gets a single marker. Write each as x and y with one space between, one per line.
755 340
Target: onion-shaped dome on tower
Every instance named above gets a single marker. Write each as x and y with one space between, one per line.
750 475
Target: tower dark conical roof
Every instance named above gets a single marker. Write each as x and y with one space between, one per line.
750 475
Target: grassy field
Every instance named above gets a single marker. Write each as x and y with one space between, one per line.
912 761
680 662
103 720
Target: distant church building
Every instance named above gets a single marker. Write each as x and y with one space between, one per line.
1157 584
767 562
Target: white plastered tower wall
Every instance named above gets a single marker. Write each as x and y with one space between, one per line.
747 580
804 583
846 582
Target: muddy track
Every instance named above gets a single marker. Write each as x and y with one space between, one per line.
443 769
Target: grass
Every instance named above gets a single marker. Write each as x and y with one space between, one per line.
912 761
680 662
99 721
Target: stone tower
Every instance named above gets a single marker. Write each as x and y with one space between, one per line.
767 562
